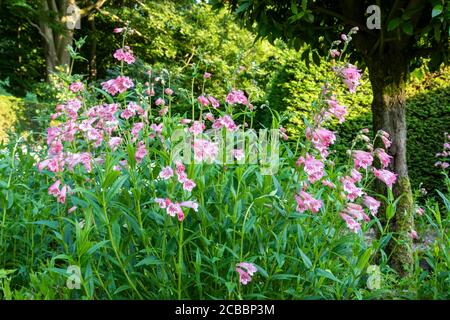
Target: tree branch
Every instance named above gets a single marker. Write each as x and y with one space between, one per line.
96 6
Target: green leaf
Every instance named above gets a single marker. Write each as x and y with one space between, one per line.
364 259
105 94
116 233
305 259
393 24
327 274
437 10
96 246
390 211
147 261
407 28
115 188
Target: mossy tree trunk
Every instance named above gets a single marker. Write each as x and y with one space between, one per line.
388 76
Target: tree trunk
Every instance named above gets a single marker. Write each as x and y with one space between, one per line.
56 42
388 77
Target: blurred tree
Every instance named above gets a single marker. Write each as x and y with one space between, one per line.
55 21
408 31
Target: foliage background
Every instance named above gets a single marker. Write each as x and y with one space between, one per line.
189 39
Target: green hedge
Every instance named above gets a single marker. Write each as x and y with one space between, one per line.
10 107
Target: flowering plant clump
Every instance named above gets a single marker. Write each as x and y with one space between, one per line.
142 221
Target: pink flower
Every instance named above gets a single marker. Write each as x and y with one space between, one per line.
328 184
55 148
72 209
238 154
180 215
137 127
163 203
188 185
168 91
166 173
118 30
386 176
207 75
244 277
190 204
335 53
160 102
209 116
413 234
250 267
350 76
352 224
225 121
283 134
313 168
387 143
141 152
350 188
127 114
305 201
203 101
124 54
61 197
205 150
76 86
420 211
385 138
197 127
321 139
385 159
356 175
54 188
236 96
337 110
72 107
214 103
174 209
114 142
372 204
118 85
362 159
246 270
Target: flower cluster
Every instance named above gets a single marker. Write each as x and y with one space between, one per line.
124 54
117 85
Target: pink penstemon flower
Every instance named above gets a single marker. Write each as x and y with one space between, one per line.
305 202
203 101
385 159
76 86
125 55
385 176
362 159
188 185
236 97
197 127
372 204
141 152
166 173
246 270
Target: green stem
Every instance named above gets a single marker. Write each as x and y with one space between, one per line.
180 258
